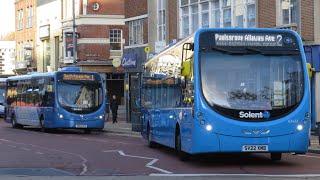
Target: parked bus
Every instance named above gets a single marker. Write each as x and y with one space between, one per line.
2 95
239 90
64 99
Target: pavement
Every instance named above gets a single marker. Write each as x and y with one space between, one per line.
124 128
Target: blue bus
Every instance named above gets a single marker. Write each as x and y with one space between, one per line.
64 99
229 90
2 95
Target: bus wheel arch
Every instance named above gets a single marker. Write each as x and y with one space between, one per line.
14 121
182 155
151 144
276 156
41 123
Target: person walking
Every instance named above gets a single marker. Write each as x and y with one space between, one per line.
114 108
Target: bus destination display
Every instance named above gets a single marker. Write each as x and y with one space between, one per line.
78 77
262 40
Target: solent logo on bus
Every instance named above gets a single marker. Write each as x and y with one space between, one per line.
259 115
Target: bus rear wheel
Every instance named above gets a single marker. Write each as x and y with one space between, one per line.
151 144
276 156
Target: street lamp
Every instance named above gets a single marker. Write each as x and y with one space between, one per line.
73 32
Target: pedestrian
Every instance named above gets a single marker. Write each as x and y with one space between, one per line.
114 108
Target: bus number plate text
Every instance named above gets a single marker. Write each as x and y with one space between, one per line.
81 126
254 148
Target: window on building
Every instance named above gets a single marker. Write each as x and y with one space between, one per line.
251 13
195 14
20 19
289 11
30 15
226 9
115 39
185 18
215 13
161 20
136 32
204 14
239 13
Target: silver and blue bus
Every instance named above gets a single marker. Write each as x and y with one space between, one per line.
65 99
229 90
2 95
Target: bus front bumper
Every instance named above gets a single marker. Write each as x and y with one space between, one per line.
77 124
291 143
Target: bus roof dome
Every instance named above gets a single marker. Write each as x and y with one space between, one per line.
74 69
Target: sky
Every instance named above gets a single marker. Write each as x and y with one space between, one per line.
7 16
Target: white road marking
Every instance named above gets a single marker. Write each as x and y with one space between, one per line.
38 152
12 146
84 160
235 175
149 165
105 141
317 157
26 149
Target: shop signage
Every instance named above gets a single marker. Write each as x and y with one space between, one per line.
129 61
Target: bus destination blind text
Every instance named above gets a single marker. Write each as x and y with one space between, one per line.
78 77
235 39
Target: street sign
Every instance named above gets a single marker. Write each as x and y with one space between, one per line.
147 49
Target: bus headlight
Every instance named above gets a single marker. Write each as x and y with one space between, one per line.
209 127
299 127
60 116
100 117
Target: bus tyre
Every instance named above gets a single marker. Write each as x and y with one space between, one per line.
42 126
151 144
182 155
14 121
276 156
87 131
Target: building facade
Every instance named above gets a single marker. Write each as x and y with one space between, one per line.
99 27
134 55
7 57
49 35
26 28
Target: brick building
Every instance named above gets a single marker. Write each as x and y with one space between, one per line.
99 26
25 22
136 40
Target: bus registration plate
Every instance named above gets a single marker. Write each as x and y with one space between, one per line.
81 126
254 148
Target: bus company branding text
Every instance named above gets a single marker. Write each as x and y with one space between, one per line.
170 81
234 39
78 77
258 115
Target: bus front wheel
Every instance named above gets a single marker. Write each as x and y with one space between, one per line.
276 156
87 131
14 123
151 144
182 155
42 126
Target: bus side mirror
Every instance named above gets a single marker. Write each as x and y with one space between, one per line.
310 69
186 68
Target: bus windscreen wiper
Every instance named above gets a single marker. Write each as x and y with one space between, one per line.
226 51
271 52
